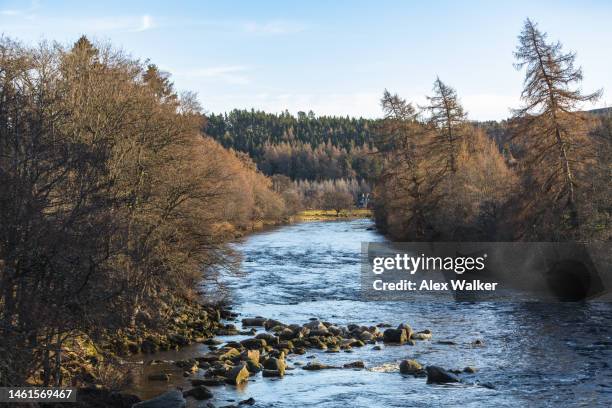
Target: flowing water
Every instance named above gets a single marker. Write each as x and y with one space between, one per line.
533 354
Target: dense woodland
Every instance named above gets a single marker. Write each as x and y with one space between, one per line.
306 147
118 195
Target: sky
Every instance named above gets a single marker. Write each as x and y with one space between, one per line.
331 57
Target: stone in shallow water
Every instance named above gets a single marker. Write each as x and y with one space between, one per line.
210 382
315 365
256 322
237 375
438 375
422 335
199 392
395 336
159 377
170 399
410 367
355 364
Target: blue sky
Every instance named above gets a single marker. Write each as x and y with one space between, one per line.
332 57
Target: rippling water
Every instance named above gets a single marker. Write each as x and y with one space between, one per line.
534 354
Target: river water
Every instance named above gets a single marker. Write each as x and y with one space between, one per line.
533 354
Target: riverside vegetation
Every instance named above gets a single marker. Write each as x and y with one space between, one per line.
115 202
112 206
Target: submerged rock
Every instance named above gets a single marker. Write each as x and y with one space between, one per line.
210 382
199 392
315 365
170 399
422 335
438 375
355 364
159 377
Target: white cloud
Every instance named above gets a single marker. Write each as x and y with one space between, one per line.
146 23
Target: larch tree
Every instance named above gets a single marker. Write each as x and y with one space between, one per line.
447 117
407 181
554 134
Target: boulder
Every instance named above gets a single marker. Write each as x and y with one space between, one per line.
254 343
254 322
251 355
272 373
230 354
270 323
470 370
170 399
249 401
355 364
438 375
405 327
275 364
199 392
315 365
269 338
237 375
316 325
395 336
286 334
188 365
366 336
253 367
410 367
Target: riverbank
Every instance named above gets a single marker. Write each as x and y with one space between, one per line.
330 215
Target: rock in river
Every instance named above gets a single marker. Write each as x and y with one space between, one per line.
159 377
200 393
256 322
315 365
410 367
438 375
170 399
422 335
395 336
355 364
237 375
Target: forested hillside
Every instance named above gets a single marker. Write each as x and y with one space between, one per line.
306 147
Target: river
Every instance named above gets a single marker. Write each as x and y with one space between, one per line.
533 354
